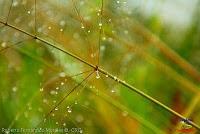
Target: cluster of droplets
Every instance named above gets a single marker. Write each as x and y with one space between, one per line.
69 109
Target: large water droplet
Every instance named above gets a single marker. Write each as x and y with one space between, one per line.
97 74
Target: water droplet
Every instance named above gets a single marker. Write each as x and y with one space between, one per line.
64 124
62 23
103 38
92 55
41 89
62 83
82 26
56 109
61 30
49 28
14 89
106 76
29 12
69 110
76 102
89 31
56 123
3 44
113 91
97 74
15 3
52 114
118 1
62 74
57 88
52 92
100 24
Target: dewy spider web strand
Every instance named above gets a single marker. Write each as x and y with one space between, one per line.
97 68
100 32
66 95
82 26
19 113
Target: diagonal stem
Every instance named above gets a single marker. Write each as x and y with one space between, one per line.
101 70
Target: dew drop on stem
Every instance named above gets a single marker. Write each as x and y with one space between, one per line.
97 74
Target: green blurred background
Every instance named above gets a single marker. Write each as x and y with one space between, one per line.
152 45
